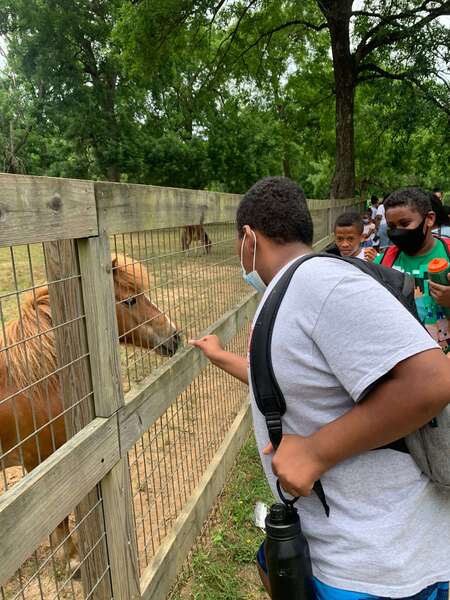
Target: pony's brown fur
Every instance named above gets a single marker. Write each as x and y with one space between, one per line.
25 362
196 233
29 388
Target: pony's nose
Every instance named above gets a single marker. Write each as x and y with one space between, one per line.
172 344
176 341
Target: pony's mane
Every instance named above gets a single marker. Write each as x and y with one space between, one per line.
129 273
28 352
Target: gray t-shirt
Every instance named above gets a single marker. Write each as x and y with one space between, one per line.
388 532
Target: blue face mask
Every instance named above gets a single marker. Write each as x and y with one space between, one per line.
253 278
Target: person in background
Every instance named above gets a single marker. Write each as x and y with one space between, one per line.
381 225
439 195
437 191
411 220
369 230
442 225
351 387
349 237
374 206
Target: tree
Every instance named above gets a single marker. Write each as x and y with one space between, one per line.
378 29
196 93
384 44
65 54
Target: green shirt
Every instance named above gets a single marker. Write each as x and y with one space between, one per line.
434 316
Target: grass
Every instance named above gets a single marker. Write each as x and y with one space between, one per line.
223 565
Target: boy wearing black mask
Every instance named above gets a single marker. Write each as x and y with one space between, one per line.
410 220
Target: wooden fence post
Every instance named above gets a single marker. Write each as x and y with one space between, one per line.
99 303
75 380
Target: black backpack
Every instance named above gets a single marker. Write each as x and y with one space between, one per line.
268 395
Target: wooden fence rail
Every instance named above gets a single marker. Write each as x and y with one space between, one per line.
86 214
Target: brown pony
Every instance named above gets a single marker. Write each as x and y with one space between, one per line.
29 356
196 233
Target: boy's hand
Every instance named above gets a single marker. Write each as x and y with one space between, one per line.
296 464
440 293
370 254
210 346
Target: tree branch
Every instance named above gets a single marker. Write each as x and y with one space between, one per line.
271 32
378 72
372 40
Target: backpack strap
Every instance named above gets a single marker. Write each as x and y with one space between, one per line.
446 243
390 256
391 253
268 395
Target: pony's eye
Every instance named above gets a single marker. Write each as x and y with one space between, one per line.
129 301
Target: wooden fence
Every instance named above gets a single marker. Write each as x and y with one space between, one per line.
107 416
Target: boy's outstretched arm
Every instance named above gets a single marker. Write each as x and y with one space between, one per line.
231 363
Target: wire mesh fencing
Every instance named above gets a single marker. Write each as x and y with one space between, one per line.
61 567
170 285
167 292
167 463
173 284
42 348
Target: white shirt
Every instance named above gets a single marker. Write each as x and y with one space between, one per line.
388 533
381 211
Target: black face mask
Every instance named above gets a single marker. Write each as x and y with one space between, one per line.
409 241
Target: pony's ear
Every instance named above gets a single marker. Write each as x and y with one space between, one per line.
115 267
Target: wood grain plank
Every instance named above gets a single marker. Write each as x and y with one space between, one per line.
120 532
32 508
124 208
39 209
75 381
101 324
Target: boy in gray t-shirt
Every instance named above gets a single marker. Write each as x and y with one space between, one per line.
350 387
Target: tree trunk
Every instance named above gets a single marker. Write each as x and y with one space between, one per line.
286 164
338 13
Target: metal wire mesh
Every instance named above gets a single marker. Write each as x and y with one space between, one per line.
169 286
192 287
35 358
169 460
174 283
54 571
168 294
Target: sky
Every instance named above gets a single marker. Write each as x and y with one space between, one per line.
2 47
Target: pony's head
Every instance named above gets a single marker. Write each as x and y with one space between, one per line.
140 321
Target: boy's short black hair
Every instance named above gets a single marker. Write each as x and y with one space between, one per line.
276 206
373 199
416 198
350 219
437 190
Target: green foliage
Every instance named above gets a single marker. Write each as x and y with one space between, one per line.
202 94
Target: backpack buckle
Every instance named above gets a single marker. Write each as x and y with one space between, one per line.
274 427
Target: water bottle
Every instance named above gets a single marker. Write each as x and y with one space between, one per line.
438 269
287 555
